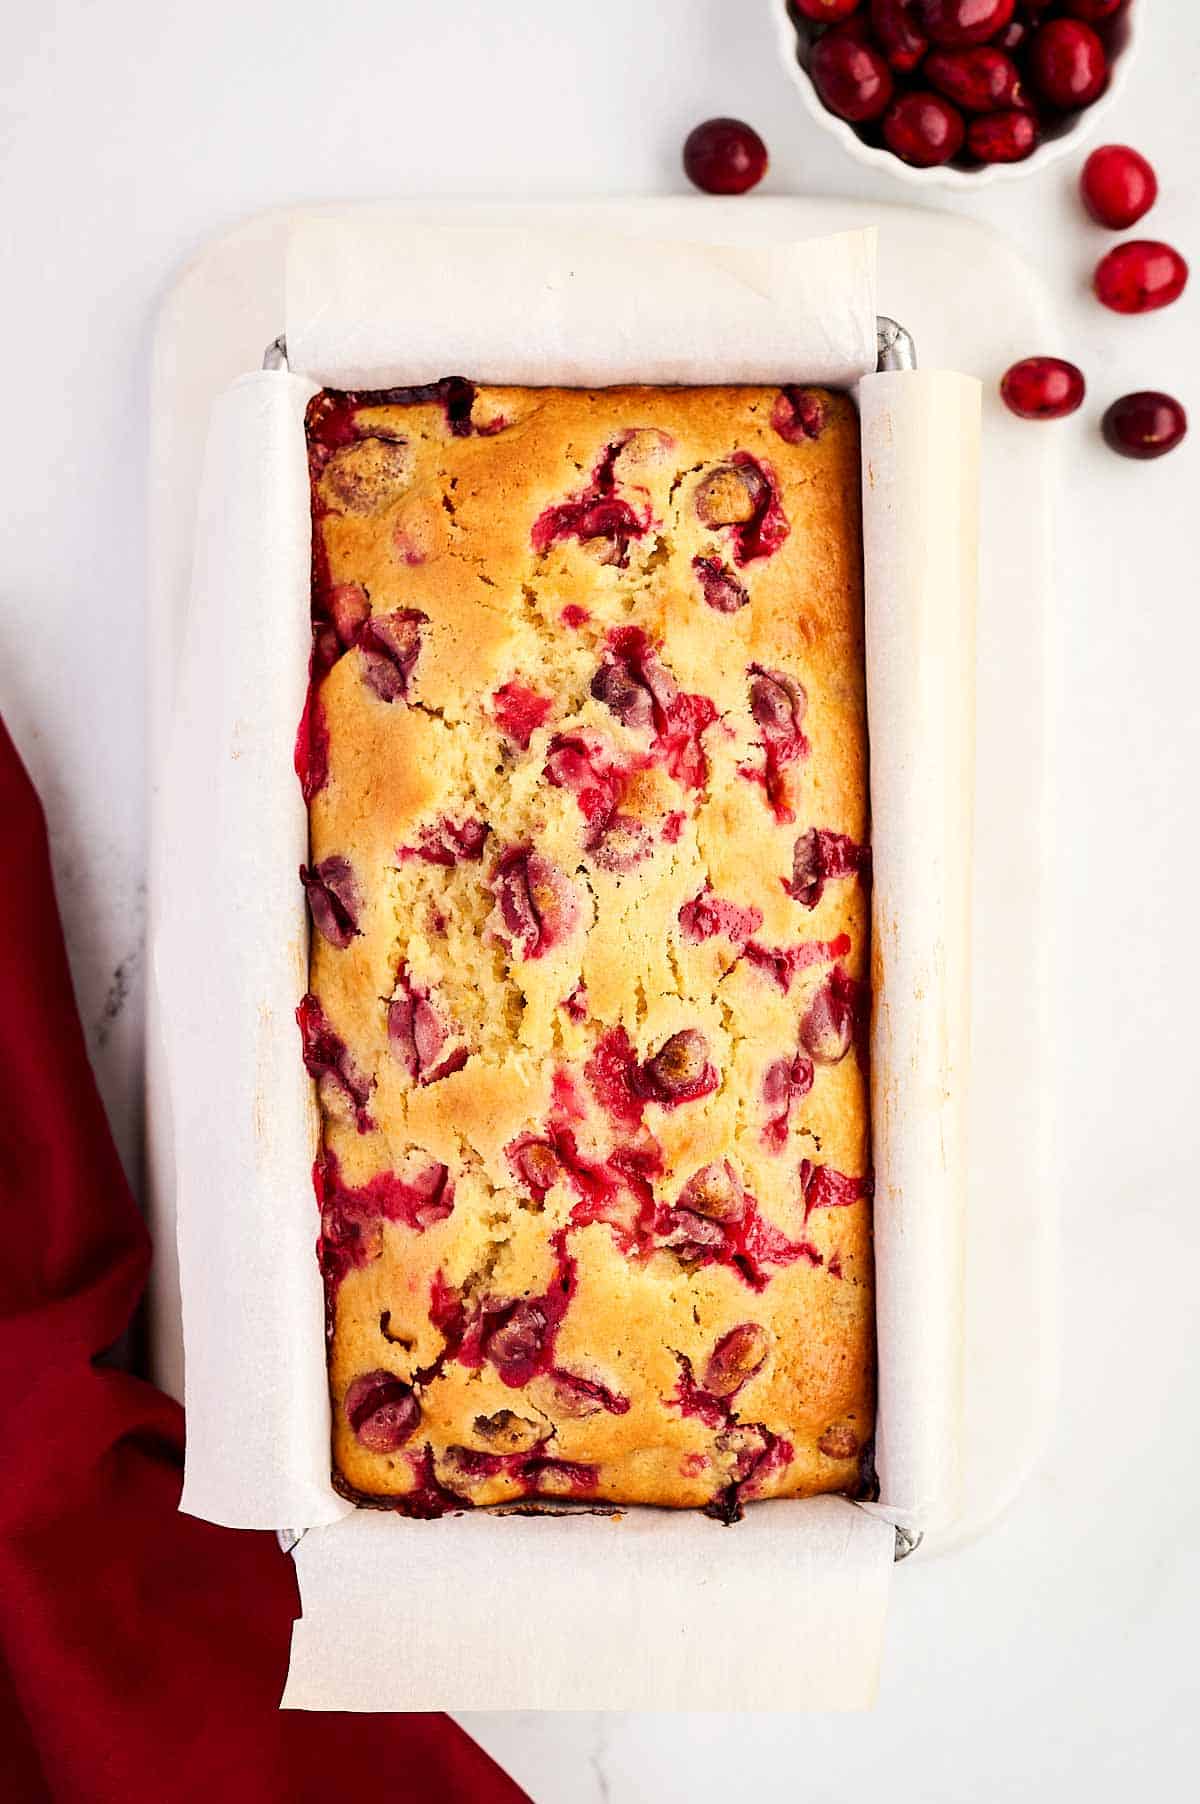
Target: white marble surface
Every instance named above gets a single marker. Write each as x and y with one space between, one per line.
1056 1657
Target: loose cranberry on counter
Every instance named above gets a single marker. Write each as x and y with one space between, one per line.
897 26
1043 388
956 23
1119 186
1003 137
1068 64
1145 425
724 156
1141 276
827 12
923 129
852 78
982 80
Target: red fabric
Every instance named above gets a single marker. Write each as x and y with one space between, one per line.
142 1653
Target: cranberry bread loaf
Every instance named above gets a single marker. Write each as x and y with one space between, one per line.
585 756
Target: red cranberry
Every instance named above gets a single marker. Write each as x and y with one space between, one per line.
719 586
798 414
382 1411
334 900
1013 36
1092 10
1119 186
923 129
896 24
827 1029
982 80
724 156
778 703
955 23
737 1357
827 12
851 79
536 904
679 1071
715 1193
1068 64
390 645
819 855
1145 425
1003 137
1043 388
1141 276
516 1344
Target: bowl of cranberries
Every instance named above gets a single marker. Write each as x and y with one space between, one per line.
959 92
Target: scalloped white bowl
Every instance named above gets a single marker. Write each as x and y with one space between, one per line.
794 37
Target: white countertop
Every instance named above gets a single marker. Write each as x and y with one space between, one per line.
1053 1657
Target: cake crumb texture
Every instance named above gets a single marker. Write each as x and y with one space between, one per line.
585 757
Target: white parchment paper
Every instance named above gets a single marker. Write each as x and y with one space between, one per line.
369 305
423 1612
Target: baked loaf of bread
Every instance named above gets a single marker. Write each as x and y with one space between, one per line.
585 756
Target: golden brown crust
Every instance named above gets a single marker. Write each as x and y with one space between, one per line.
587 765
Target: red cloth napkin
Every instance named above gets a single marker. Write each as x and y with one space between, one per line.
142 1653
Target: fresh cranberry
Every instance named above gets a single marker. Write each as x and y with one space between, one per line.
719 586
1043 388
1003 137
957 23
851 78
1145 425
680 1071
827 12
1092 11
1119 186
389 645
1068 64
897 26
333 897
382 1411
737 1357
1141 276
724 156
982 80
827 1029
798 414
923 129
